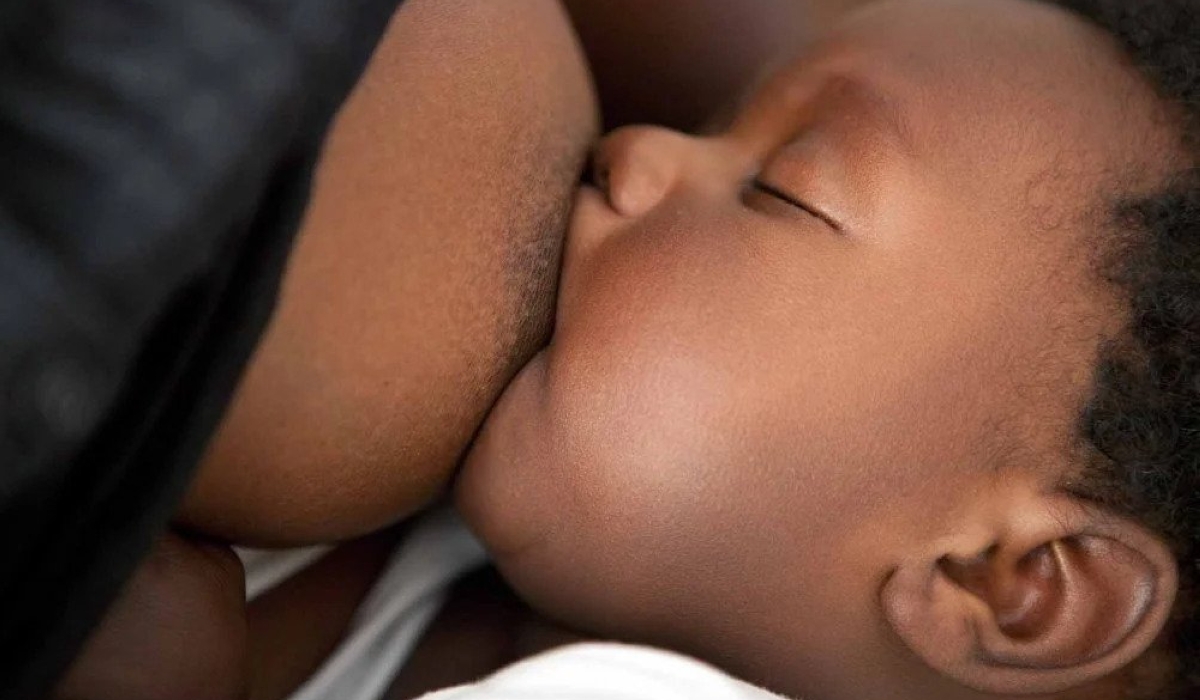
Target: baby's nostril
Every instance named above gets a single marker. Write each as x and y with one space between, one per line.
596 171
600 176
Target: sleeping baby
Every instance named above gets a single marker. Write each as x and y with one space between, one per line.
889 387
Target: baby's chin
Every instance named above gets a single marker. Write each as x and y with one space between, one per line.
499 487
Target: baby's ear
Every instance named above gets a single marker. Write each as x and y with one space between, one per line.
1047 595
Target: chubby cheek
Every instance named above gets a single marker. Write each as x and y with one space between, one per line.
601 474
627 431
630 491
645 383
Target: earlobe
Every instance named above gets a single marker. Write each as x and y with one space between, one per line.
1057 597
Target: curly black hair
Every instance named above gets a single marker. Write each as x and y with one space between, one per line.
1142 423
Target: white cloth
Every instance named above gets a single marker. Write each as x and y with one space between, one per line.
607 672
394 615
267 568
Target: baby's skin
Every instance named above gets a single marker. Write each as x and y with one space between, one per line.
811 404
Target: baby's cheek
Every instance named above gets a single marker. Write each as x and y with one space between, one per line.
627 472
643 426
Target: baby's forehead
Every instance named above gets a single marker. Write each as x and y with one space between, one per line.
1008 92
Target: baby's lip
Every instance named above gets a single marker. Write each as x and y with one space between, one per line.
592 195
590 208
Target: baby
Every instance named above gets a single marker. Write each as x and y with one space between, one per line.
890 387
886 388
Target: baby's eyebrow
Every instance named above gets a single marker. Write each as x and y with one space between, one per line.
879 106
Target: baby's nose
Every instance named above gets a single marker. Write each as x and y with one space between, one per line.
636 167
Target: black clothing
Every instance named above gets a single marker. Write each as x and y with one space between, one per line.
155 158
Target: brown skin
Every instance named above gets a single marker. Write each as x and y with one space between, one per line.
678 63
826 450
178 630
182 628
423 279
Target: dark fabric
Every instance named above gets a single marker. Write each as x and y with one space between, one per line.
155 158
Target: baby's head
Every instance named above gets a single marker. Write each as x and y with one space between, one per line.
891 387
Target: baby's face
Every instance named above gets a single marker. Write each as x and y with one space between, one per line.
790 352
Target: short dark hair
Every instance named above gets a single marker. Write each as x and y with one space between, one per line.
1142 423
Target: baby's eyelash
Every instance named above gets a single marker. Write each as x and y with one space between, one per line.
773 191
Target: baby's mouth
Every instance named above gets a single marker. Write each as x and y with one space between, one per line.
590 208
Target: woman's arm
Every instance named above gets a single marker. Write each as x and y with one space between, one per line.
181 627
